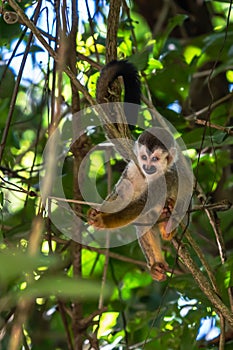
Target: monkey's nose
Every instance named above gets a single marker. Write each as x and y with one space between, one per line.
149 169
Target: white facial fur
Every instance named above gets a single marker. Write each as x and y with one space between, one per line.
155 163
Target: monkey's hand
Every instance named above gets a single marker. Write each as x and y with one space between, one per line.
158 271
95 218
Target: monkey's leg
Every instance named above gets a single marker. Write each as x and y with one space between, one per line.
128 214
151 247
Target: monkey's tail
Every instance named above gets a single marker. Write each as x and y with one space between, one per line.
131 80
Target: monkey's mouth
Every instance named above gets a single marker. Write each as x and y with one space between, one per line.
150 170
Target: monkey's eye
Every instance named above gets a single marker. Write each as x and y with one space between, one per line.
154 159
144 157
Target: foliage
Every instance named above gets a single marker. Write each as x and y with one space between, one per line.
188 79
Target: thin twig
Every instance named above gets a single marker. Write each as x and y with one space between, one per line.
226 129
216 228
158 27
48 48
218 235
91 24
102 251
218 206
196 114
127 10
16 87
222 337
205 264
61 308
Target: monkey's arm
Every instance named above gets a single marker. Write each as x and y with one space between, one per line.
134 211
116 219
124 204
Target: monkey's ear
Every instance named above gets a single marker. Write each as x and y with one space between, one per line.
172 156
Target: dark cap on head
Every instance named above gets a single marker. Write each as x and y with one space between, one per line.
156 138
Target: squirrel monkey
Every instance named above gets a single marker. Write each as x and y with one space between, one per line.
140 196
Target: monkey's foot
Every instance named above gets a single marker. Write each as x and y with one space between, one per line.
164 228
158 271
166 236
95 218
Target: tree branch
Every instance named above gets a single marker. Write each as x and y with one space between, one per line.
202 281
113 24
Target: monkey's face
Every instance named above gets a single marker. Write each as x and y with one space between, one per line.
153 163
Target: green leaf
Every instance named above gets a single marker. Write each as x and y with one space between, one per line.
36 48
15 264
169 84
173 22
7 81
64 287
8 31
140 60
219 42
154 64
219 137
